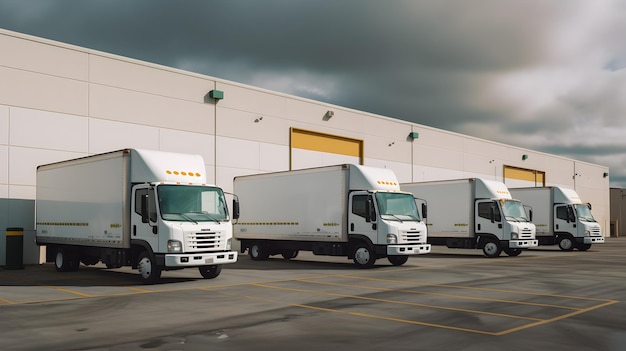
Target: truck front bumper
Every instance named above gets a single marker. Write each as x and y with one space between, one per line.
419 249
523 244
200 259
594 240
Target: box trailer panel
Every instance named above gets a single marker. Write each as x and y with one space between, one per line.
450 207
66 211
539 200
299 211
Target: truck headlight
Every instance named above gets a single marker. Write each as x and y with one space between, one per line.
587 233
174 246
392 239
514 236
229 243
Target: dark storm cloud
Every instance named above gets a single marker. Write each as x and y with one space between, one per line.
531 73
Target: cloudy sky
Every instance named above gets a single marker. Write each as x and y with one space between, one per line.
544 75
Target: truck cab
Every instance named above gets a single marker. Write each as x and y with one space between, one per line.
390 221
182 225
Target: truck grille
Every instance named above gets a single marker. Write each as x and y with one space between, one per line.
204 240
526 233
595 232
417 237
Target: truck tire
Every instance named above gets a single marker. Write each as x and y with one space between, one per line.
364 256
257 252
512 252
289 254
583 247
566 243
398 260
65 261
210 272
148 270
492 248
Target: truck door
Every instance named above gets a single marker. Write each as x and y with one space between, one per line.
488 218
565 220
144 221
359 220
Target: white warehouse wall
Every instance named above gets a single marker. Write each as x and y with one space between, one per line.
59 101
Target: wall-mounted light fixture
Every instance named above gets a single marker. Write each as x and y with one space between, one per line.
391 143
524 157
328 115
605 174
258 120
216 94
414 135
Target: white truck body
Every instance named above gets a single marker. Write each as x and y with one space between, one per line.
474 213
324 210
111 207
560 217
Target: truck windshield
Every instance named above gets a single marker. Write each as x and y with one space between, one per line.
192 203
584 213
397 206
513 210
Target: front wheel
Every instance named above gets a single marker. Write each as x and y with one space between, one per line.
364 256
566 243
492 248
398 260
583 247
513 252
148 270
210 272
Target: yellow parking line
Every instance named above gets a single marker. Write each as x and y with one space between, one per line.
359 314
465 297
479 288
531 325
400 302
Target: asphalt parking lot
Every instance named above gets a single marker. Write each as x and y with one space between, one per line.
447 300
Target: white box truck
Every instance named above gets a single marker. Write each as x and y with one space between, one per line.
474 213
345 210
560 217
150 210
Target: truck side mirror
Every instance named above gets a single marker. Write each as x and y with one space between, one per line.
589 205
144 208
530 215
492 213
370 212
235 209
424 211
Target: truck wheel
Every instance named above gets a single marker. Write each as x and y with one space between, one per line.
289 254
398 260
258 252
148 271
513 252
90 260
566 243
65 261
492 248
210 272
363 256
583 247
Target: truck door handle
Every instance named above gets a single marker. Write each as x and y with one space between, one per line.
134 230
351 227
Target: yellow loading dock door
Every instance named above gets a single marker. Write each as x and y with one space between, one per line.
515 177
314 149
